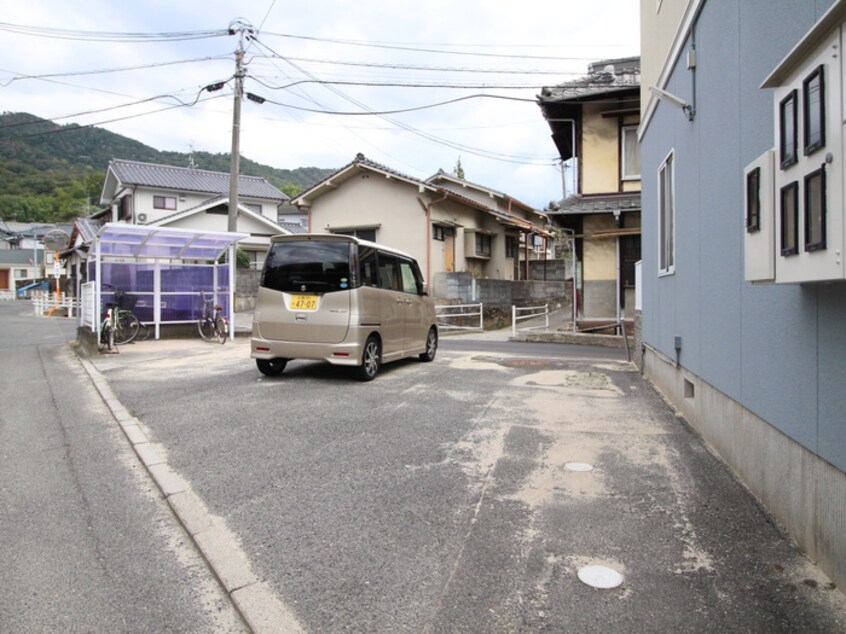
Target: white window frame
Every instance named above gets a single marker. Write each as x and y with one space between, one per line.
632 136
667 216
163 202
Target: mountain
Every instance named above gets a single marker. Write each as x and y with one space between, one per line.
51 172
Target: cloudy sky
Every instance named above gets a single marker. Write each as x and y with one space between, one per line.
416 86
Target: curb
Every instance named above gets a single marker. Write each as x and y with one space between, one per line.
253 599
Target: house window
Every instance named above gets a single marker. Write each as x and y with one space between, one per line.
789 211
362 234
815 210
787 123
666 216
437 232
254 207
753 200
511 247
813 111
630 153
483 245
164 202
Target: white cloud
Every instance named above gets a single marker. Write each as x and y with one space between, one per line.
284 137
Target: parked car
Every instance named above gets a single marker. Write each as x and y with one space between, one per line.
343 300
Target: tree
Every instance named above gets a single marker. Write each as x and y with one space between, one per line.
458 170
291 190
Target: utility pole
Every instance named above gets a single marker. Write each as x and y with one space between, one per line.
235 167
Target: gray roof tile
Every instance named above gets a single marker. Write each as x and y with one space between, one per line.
191 180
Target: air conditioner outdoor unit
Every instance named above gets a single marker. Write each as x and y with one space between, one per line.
142 217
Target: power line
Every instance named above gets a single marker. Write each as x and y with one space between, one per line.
126 118
110 36
416 49
443 69
399 110
104 71
400 84
510 158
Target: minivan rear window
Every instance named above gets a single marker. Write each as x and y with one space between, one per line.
317 266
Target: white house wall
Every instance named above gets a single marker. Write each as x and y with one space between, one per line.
143 203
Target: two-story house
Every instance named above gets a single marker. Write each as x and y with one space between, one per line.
23 256
447 224
594 122
744 226
188 198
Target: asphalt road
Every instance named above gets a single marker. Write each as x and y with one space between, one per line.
88 544
440 497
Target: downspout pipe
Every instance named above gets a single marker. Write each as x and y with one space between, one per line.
427 210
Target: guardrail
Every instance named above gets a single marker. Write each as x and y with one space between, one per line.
466 313
45 303
529 312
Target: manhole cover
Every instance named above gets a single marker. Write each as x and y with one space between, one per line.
601 577
578 466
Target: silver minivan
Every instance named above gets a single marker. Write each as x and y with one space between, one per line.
343 300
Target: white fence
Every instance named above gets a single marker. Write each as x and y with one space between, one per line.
46 303
465 313
530 312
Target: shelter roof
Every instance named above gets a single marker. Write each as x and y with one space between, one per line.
125 240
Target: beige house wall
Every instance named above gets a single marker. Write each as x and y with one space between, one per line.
600 254
600 151
370 200
397 211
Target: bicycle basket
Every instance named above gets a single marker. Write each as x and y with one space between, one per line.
127 302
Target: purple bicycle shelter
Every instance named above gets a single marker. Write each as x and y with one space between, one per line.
163 274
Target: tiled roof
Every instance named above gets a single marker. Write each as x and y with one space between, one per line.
191 180
293 227
595 204
19 256
362 160
608 76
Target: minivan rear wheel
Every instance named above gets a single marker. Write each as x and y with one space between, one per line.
370 359
431 345
271 367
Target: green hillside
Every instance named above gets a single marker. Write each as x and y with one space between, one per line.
53 173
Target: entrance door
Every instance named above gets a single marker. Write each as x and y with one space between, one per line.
4 280
449 250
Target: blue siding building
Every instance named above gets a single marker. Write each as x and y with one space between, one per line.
744 246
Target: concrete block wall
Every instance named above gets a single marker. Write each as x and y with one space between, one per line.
551 270
449 287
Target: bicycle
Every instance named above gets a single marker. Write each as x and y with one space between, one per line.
120 325
212 324
107 329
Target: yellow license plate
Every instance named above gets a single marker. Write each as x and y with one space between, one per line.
303 302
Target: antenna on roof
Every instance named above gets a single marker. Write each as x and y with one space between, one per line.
191 164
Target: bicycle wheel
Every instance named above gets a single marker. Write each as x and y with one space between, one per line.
206 328
107 338
221 329
127 328
143 332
